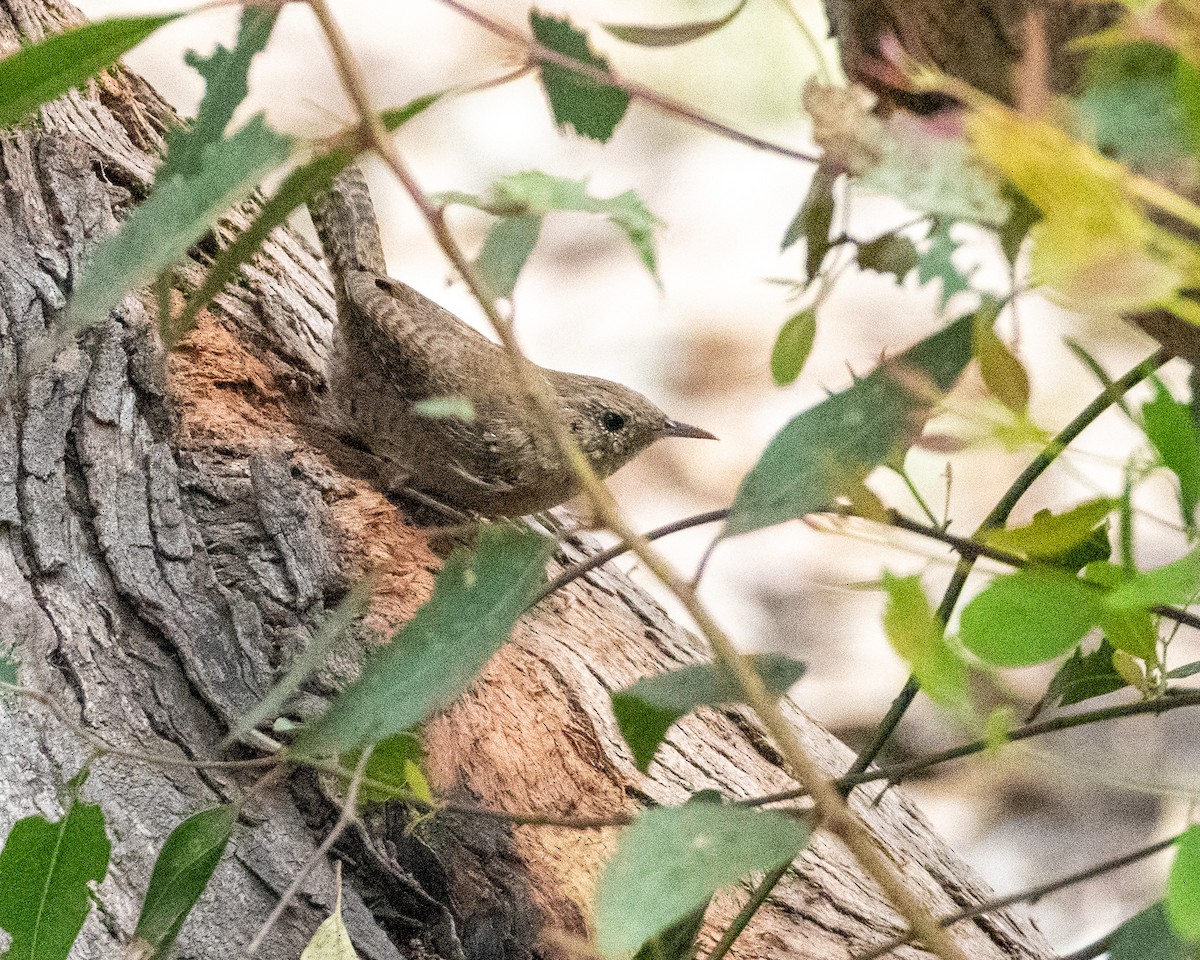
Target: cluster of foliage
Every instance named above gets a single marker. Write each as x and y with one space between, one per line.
1083 207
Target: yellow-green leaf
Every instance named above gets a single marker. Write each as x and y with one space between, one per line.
793 346
1183 886
1050 536
1002 372
918 637
42 71
670 36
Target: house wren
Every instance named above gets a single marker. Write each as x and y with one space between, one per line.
394 348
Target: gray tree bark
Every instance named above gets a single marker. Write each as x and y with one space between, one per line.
171 528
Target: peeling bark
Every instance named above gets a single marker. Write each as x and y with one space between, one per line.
171 529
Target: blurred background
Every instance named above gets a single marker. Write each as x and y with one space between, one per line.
700 345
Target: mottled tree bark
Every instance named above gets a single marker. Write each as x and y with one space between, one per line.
171 528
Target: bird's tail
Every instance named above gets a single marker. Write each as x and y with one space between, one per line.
346 223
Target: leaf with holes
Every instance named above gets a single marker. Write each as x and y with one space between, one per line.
592 108
45 871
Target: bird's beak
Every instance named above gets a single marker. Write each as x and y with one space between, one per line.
673 428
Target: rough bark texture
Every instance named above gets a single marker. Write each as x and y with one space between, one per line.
172 528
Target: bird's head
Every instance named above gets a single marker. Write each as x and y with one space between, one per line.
612 423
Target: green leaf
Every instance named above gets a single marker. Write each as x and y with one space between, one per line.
825 451
1149 936
225 74
182 871
1187 670
891 253
1133 631
1084 676
670 36
1002 373
1029 617
39 73
593 109
535 193
434 657
45 869
918 637
1021 218
1170 429
316 175
439 407
176 215
1175 584
648 708
937 263
813 221
793 346
1183 886
1065 540
8 666
1131 103
676 942
334 628
673 859
505 250
935 174
392 764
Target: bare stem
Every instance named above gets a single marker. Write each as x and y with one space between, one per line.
903 771
345 818
998 517
830 807
103 748
535 51
1030 894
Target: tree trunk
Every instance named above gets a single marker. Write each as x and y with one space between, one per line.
171 528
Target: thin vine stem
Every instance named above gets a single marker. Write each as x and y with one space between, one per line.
1030 894
831 808
647 95
897 772
739 923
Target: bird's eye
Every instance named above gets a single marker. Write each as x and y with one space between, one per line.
612 421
